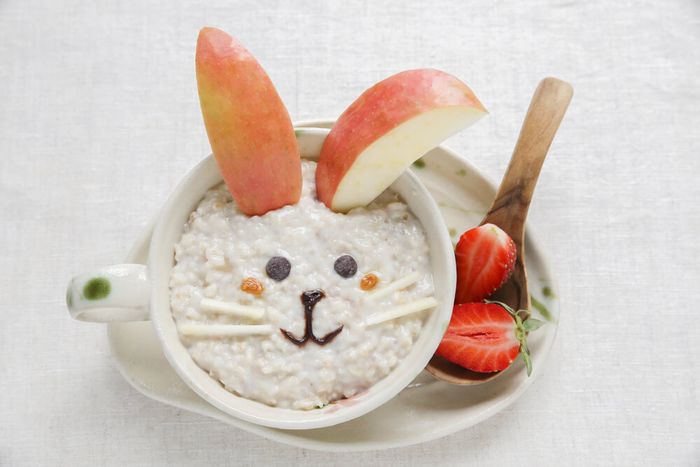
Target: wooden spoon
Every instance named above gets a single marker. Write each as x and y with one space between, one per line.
509 209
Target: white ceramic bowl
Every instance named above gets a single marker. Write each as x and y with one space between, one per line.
139 291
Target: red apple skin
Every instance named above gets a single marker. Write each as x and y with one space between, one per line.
249 128
377 111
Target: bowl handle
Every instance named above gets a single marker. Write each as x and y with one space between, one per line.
115 293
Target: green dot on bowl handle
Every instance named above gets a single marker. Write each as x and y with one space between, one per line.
97 288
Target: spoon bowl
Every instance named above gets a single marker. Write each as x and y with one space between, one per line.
510 207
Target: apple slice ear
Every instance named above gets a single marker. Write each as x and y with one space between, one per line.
250 132
386 129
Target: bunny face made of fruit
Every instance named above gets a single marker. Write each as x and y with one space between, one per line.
318 270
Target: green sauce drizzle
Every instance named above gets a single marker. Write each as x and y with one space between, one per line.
539 306
547 292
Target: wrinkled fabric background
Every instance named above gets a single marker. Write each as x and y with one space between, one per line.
99 120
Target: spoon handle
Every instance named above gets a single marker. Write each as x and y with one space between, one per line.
546 111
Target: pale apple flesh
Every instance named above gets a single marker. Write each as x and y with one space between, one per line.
384 160
388 128
249 128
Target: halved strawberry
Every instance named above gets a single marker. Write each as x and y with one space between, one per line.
485 258
486 337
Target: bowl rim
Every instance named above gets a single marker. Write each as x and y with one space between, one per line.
168 230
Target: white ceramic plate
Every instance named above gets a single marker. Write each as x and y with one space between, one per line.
426 409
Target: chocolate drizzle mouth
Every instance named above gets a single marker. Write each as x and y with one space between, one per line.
309 299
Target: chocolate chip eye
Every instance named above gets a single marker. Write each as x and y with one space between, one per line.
278 268
345 266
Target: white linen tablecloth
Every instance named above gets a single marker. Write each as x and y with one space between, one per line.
99 119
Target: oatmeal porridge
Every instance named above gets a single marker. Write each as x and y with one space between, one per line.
301 306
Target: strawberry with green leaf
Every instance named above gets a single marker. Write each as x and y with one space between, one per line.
487 337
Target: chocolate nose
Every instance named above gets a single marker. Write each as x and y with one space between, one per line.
312 297
309 298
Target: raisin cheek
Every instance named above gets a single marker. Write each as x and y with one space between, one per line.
369 281
252 286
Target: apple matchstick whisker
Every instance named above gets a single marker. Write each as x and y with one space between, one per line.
232 309
401 310
223 330
394 286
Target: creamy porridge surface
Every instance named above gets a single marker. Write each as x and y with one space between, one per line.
221 246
